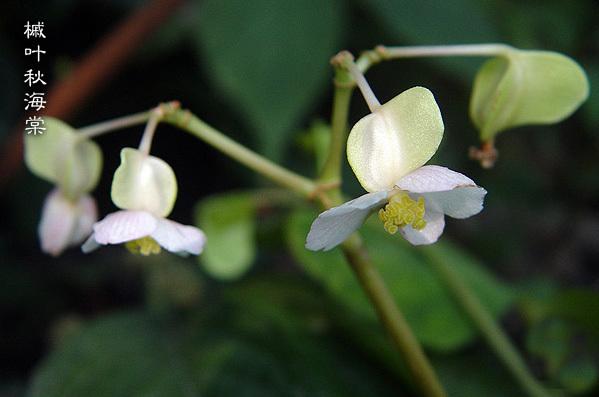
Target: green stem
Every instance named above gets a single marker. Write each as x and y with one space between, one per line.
355 251
490 330
94 130
331 171
444 50
391 317
185 120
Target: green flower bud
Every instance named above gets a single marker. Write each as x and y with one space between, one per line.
61 157
526 87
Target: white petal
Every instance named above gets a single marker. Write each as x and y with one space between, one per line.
87 215
335 225
435 223
181 239
57 223
397 138
451 192
122 226
90 244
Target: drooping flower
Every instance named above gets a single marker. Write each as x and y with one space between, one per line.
387 150
73 163
145 188
65 223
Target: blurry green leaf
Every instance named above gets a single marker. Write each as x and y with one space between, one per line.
579 375
123 354
315 141
58 156
565 355
270 59
133 353
229 221
435 22
431 311
526 87
475 373
551 341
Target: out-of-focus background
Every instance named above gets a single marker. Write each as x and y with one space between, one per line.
284 321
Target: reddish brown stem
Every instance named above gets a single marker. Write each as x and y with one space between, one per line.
100 64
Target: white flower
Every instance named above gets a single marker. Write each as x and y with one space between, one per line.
387 150
65 223
145 233
145 188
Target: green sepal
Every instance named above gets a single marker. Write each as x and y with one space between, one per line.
229 220
59 156
144 183
526 87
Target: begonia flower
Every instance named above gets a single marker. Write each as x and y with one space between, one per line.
145 188
64 222
73 163
387 150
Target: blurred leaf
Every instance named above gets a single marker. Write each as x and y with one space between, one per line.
580 374
435 22
133 353
229 221
475 373
123 354
270 59
434 317
526 87
315 141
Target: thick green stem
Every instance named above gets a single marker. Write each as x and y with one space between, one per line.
391 317
487 325
185 120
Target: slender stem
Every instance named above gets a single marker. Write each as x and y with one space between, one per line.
156 115
490 330
367 93
331 171
444 50
391 317
282 176
94 130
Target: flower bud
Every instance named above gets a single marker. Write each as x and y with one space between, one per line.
526 87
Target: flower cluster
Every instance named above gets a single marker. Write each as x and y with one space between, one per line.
144 187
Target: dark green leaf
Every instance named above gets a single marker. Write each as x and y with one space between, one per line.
270 59
438 22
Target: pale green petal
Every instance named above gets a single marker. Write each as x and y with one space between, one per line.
144 183
397 138
526 87
58 156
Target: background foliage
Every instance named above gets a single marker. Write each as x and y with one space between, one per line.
273 318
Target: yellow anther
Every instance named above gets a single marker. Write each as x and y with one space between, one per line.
402 211
145 246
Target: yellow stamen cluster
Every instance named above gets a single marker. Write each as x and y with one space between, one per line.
402 211
145 246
